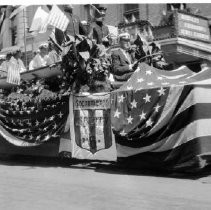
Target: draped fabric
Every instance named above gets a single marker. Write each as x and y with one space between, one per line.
163 118
29 124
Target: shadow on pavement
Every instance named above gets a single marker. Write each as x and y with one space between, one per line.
102 167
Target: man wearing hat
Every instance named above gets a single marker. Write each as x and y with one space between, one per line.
123 60
16 61
5 64
98 30
74 27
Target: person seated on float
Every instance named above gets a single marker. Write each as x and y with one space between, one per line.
41 59
98 31
53 55
2 60
17 62
123 60
5 64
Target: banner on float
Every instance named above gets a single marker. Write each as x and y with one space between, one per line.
91 133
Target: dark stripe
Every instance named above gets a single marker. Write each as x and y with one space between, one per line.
189 156
107 128
77 125
92 131
193 113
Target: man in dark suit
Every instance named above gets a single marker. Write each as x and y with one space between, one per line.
74 27
98 30
123 60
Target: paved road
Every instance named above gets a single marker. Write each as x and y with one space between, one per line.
35 186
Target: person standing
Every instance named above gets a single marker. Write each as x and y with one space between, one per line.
74 26
98 30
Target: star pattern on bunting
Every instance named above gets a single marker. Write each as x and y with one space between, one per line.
35 124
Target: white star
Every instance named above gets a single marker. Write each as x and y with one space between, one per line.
123 133
149 123
46 138
45 120
37 122
129 120
161 91
38 138
21 130
147 98
142 115
140 80
157 107
148 72
45 129
121 98
134 104
54 135
129 87
117 113
150 83
29 123
160 78
60 114
52 118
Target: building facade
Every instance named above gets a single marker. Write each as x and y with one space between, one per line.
15 29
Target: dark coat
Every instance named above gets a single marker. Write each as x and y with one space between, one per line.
74 26
120 66
98 32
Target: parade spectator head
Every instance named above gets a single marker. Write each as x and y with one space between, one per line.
8 56
68 8
124 41
43 48
2 58
17 54
101 13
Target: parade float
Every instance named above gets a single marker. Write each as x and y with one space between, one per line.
158 119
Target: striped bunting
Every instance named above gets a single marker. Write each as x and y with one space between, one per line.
151 117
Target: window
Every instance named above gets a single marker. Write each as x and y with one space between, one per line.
131 10
171 7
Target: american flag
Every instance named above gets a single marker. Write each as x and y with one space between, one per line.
160 112
13 74
30 124
57 19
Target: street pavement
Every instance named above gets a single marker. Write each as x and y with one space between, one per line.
26 184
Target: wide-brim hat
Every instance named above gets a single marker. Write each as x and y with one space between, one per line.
101 7
67 7
124 37
43 46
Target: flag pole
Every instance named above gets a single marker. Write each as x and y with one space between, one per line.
24 28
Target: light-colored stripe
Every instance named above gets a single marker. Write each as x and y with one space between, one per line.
174 76
193 130
15 141
197 95
173 97
196 129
